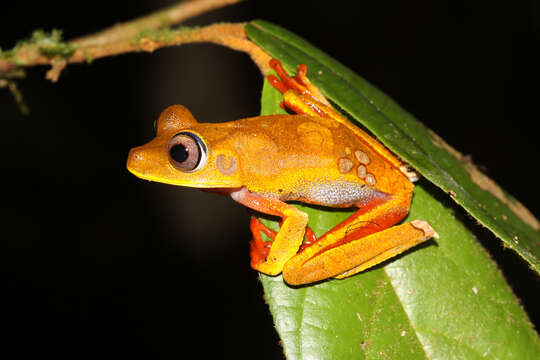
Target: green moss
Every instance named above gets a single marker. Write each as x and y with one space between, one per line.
51 44
47 43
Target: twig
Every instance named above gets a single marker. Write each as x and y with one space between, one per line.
163 18
232 36
141 35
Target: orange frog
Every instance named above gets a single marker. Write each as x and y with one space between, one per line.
316 157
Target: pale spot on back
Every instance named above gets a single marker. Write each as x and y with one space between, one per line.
370 180
362 157
361 171
344 165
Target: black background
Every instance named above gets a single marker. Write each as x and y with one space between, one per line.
97 263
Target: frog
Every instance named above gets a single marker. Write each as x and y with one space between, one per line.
312 155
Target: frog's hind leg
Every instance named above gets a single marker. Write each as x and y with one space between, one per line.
299 94
363 240
402 238
300 83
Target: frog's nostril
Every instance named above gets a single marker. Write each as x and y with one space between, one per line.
135 159
137 155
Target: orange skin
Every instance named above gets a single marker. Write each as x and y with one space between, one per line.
317 157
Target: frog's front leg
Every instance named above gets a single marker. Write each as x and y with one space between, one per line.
288 239
259 249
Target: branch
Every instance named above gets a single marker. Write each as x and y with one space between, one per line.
163 18
141 34
230 35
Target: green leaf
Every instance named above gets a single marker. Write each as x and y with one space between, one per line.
407 137
445 299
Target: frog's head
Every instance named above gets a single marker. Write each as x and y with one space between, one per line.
185 153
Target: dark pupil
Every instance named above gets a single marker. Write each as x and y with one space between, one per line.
179 153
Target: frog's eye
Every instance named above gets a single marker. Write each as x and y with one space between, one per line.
187 152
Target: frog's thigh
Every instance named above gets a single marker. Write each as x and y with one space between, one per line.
352 257
289 237
363 240
390 243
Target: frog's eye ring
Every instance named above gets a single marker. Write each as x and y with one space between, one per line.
187 152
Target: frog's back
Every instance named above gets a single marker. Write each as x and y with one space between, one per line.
310 159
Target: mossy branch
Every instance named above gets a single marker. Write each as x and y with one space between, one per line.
147 33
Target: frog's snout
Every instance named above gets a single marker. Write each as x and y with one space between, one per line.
136 160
